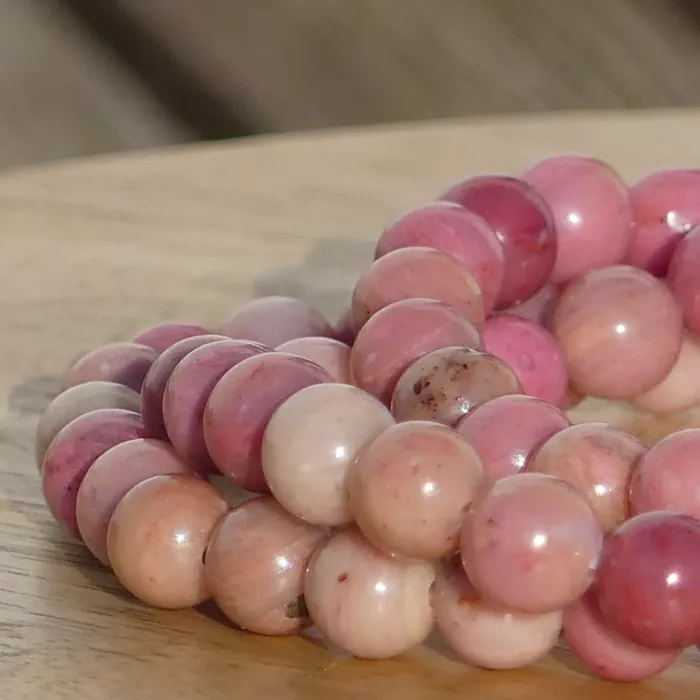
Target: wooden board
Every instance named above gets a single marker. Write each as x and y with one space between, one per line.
93 251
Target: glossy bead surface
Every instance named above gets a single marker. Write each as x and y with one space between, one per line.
158 536
620 330
310 443
328 353
161 336
684 281
370 604
255 565
531 543
446 384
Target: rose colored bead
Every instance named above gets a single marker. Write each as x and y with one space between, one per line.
532 352
163 335
648 580
592 212
310 443
507 430
524 225
158 536
157 378
482 633
684 281
370 604
122 363
398 335
73 451
111 476
255 566
241 405
620 331
452 229
666 205
187 392
275 320
417 273
345 328
531 543
597 460
328 353
538 308
604 652
409 488
77 401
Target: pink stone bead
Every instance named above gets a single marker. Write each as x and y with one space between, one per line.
507 430
111 476
592 212
275 320
187 392
372 605
446 384
666 205
604 652
409 488
455 230
684 281
398 335
531 543
328 353
122 363
345 328
538 308
77 401
156 381
241 405
73 451
524 225
597 460
648 579
417 273
667 476
255 567
620 331
533 354
310 443
158 536
486 635
161 336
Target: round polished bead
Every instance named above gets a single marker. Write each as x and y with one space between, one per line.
241 405
255 564
523 223
409 488
486 635
531 543
538 308
451 228
368 603
446 384
648 579
310 443
592 212
398 335
620 331
328 353
684 281
506 431
161 336
158 536
344 329
597 460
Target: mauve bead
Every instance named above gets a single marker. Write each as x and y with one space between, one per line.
161 336
451 228
398 335
158 536
331 354
648 579
684 281
532 352
111 476
592 212
344 329
620 330
524 225
255 565
666 205
538 308
507 430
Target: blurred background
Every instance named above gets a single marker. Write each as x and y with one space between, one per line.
82 77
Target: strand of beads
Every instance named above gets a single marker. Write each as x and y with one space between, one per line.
413 466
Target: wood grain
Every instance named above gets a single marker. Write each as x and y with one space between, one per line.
93 251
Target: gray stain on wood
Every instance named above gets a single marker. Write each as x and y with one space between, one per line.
32 395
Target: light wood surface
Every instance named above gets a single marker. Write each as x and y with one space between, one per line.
94 251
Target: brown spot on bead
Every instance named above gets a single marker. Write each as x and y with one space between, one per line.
343 577
296 609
